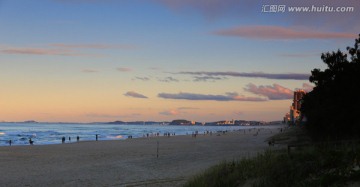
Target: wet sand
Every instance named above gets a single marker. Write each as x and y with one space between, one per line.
131 162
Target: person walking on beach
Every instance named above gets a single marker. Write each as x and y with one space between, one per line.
77 138
69 139
10 142
96 137
63 139
31 142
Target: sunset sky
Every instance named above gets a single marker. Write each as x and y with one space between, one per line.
202 60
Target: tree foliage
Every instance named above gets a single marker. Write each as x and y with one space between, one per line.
332 109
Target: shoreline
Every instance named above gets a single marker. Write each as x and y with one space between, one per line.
125 162
52 134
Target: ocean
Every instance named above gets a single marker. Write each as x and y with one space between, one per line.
52 133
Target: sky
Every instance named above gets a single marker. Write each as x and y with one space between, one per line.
136 60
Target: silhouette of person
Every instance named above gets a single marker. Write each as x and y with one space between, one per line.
77 138
63 139
31 142
96 137
10 142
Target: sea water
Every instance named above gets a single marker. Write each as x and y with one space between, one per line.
52 133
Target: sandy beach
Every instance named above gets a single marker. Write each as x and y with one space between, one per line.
131 162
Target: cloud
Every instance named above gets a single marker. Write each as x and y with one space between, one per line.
44 51
60 49
168 79
93 46
279 33
207 78
230 96
274 92
281 76
141 78
124 69
169 112
134 94
89 71
39 51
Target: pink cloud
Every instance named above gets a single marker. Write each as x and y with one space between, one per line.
282 33
60 49
274 92
37 51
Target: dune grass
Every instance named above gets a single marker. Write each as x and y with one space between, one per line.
317 165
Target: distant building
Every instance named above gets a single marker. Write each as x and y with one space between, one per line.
298 95
226 122
295 114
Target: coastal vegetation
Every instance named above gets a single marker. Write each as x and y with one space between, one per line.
332 107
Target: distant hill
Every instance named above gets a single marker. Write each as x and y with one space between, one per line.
30 121
116 122
183 122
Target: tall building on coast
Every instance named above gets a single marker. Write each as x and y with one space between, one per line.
298 95
295 113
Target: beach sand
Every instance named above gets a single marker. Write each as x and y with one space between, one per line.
131 162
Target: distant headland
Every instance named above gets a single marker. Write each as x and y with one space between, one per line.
184 122
176 122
